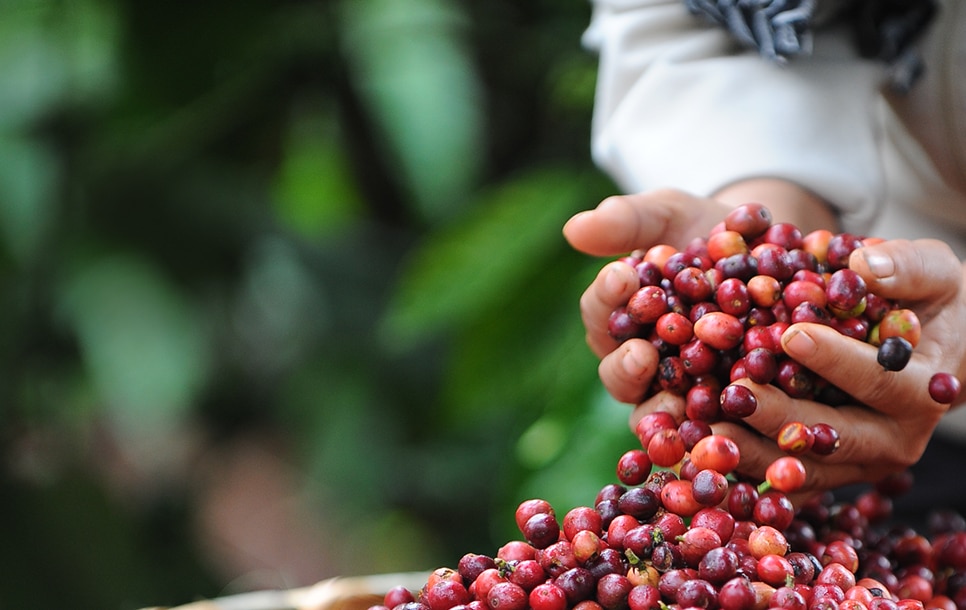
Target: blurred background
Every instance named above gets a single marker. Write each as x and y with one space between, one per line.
284 294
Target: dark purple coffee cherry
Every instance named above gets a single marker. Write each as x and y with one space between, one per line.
894 353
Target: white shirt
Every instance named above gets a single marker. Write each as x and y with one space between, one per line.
680 104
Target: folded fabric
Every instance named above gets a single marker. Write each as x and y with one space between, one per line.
782 29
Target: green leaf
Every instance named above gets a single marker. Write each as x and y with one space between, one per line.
142 343
50 54
467 271
527 357
32 72
418 80
314 191
28 183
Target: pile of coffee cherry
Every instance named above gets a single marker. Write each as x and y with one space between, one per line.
679 528
670 543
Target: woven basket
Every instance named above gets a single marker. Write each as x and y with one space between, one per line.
346 593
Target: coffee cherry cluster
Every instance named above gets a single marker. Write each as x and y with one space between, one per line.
680 538
716 312
709 307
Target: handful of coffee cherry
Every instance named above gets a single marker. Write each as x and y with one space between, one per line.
717 309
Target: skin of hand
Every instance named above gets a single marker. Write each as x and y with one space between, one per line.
622 223
892 420
891 424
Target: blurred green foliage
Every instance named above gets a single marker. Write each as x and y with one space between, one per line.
332 223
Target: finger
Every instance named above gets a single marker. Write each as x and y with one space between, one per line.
615 226
623 223
866 435
758 452
776 409
852 366
870 442
613 286
627 371
920 270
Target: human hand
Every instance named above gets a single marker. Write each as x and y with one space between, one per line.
618 225
892 417
892 420
624 223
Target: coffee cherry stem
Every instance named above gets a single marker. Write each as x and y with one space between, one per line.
632 558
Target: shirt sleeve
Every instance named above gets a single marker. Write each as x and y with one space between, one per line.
679 104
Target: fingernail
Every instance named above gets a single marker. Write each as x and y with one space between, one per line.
880 265
615 282
631 363
798 343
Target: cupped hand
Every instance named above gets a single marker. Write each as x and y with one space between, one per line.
623 223
619 225
892 417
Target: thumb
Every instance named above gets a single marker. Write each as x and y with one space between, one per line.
920 270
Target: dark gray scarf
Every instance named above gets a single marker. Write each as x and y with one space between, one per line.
782 29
